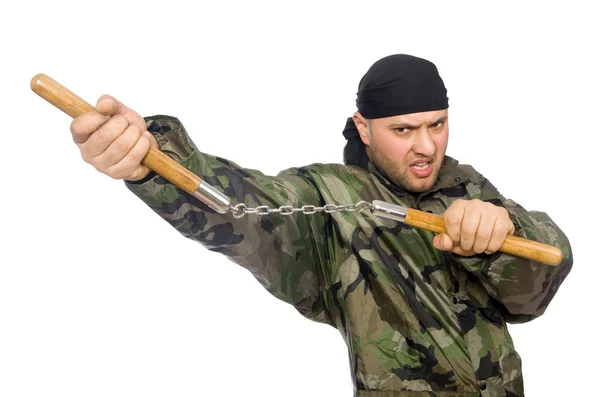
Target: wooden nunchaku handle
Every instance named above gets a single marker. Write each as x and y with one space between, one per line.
74 106
513 245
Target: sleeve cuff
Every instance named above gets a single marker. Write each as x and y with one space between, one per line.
172 140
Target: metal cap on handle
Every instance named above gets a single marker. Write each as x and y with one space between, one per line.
74 106
389 210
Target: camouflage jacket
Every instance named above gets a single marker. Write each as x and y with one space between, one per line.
417 321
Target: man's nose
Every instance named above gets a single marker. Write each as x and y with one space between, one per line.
424 143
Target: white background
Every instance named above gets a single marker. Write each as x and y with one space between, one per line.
99 296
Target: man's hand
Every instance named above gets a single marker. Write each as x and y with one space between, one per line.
114 139
473 227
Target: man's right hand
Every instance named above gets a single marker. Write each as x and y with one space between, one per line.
113 139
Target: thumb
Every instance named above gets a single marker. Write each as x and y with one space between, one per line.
443 242
110 106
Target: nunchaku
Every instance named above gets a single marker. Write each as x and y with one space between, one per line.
163 165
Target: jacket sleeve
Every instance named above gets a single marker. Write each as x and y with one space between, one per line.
523 287
283 252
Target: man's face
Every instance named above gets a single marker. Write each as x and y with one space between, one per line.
408 149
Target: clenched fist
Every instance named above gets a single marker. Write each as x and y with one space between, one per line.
473 227
114 139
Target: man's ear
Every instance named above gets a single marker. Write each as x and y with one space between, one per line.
361 125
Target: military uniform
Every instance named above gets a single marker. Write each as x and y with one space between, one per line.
417 321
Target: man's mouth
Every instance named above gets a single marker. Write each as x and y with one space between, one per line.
422 168
421 164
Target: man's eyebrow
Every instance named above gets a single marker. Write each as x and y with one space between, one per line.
398 124
440 120
405 124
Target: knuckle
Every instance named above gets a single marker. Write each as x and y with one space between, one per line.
86 156
146 142
142 149
113 173
131 158
80 128
120 146
467 235
467 238
134 131
501 229
483 237
100 168
497 239
478 249
494 247
104 135
120 120
450 218
457 205
498 236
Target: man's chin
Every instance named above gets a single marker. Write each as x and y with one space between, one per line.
409 182
420 185
419 188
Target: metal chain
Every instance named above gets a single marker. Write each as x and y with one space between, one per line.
240 210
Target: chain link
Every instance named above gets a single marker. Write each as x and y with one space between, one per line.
240 210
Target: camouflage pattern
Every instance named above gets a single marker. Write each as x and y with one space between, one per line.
417 321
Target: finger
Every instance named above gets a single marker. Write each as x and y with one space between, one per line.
101 140
109 105
453 220
484 232
511 225
85 125
151 138
498 237
118 149
459 251
469 226
130 166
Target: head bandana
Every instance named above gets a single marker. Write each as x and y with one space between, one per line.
394 85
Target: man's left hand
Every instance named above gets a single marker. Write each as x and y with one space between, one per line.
473 227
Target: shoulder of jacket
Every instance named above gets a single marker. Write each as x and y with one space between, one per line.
457 173
341 171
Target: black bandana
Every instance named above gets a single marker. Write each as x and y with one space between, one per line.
394 85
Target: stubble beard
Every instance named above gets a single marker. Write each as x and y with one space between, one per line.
401 176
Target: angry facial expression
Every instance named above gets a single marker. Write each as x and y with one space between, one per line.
408 149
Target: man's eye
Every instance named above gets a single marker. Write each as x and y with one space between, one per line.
437 124
402 130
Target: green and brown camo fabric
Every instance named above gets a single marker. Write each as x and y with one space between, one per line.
417 321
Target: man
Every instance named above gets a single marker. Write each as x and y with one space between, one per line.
418 320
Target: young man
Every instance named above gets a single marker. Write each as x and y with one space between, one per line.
422 315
